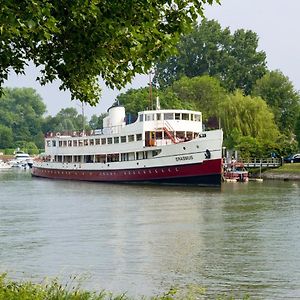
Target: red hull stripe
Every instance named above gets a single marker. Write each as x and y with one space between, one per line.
206 168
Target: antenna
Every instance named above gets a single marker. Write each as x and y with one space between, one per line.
150 91
151 72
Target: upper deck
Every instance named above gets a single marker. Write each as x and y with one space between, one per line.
152 120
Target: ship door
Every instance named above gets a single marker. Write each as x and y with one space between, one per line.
150 138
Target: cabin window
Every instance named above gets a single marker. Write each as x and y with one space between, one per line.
180 134
139 137
77 158
124 156
189 135
103 141
59 158
92 142
197 118
65 143
131 156
158 135
86 142
97 141
155 153
113 157
168 116
80 143
185 117
116 140
131 138
69 143
109 140
48 143
149 117
67 158
141 118
141 155
177 116
123 139
75 143
158 117
54 143
88 158
100 158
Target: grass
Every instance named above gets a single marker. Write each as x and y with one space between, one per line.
26 290
288 168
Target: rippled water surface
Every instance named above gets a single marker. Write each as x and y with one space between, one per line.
241 238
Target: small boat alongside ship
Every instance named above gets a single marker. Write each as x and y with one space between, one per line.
236 172
162 146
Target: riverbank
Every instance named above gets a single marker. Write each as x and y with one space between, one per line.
285 172
54 290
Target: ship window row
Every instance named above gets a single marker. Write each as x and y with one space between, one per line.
96 141
170 116
106 158
158 135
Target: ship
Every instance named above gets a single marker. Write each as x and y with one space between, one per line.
162 146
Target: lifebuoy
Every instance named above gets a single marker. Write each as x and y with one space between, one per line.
207 154
57 133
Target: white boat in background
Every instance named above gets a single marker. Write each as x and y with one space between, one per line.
21 160
4 165
162 146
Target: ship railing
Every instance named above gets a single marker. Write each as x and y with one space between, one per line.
81 133
257 162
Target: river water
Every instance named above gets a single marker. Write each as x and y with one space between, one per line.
240 238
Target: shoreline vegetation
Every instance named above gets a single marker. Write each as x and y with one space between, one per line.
54 290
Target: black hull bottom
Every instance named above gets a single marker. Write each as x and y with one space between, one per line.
208 180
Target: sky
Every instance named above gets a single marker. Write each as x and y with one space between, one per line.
276 23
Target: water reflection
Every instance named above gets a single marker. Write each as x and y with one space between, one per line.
143 239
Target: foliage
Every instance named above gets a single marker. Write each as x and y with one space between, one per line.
203 93
247 116
209 49
199 93
67 119
135 100
76 41
297 129
6 137
12 290
278 91
21 111
250 147
96 122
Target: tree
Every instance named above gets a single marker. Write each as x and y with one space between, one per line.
203 93
67 119
96 122
278 91
6 137
247 116
21 111
209 49
135 100
297 129
76 41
